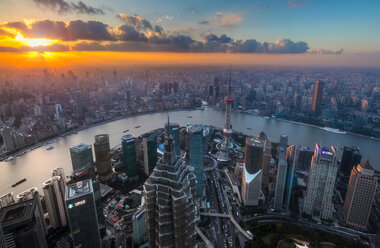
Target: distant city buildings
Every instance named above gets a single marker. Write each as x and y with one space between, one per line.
320 187
317 97
359 197
103 157
82 214
169 201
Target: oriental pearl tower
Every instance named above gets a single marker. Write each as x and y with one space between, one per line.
227 131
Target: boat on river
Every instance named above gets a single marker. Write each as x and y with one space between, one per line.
19 182
333 130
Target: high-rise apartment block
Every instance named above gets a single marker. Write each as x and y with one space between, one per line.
54 200
321 183
169 201
359 197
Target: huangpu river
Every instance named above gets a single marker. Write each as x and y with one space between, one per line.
36 165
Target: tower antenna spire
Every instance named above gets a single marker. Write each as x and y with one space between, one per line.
230 84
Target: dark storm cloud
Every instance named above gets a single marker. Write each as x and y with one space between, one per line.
61 7
129 33
21 26
91 30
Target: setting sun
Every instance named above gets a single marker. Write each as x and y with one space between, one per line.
34 42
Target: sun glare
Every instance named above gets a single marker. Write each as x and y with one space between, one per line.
34 42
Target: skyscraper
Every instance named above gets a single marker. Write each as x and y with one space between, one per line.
196 157
252 173
227 131
175 132
350 157
304 156
266 159
359 197
33 194
317 97
103 157
139 225
169 201
281 180
321 183
54 200
82 215
291 157
81 155
21 225
150 153
129 156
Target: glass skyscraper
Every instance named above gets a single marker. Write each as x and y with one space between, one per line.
150 153
81 155
196 156
129 156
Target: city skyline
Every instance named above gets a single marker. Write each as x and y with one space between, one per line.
63 32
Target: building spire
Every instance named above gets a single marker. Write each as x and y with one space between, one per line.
230 84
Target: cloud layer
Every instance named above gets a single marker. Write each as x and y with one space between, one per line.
62 7
138 34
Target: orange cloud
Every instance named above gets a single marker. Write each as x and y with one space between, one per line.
231 20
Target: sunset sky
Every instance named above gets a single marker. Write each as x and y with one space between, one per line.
277 32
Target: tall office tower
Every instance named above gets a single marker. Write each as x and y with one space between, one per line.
360 193
228 100
21 225
78 103
139 226
150 153
129 156
266 159
281 180
7 199
252 174
210 90
320 186
103 157
196 157
291 157
284 141
7 139
54 200
297 102
169 201
175 132
350 157
30 194
2 242
317 97
82 215
81 155
304 156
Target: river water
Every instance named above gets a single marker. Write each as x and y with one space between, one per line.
36 165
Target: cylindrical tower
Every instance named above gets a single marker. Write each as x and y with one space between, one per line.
103 157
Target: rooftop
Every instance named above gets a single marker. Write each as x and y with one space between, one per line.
18 213
128 137
78 189
80 147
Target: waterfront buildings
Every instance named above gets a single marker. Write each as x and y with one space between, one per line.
359 197
129 156
252 173
34 194
321 183
317 97
81 155
103 157
169 201
280 181
82 214
22 226
150 153
196 156
54 200
139 226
